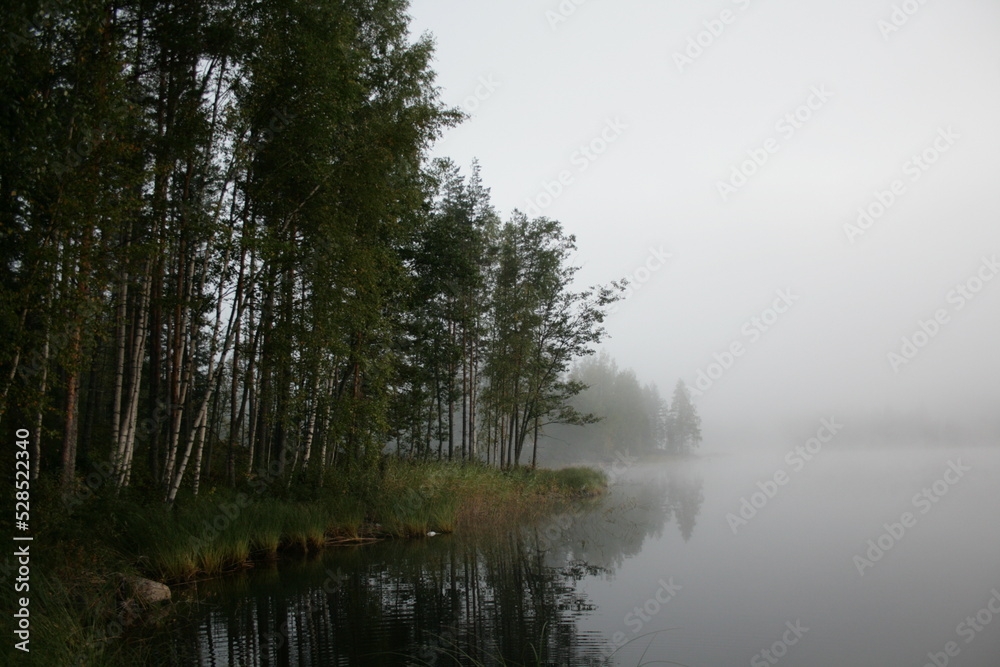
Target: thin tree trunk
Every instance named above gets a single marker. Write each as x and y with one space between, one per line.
116 401
430 429
473 399
72 406
36 441
325 428
465 393
13 368
155 328
534 449
197 437
234 425
440 415
177 386
139 337
451 392
311 428
76 360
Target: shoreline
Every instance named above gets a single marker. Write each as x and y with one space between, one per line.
81 603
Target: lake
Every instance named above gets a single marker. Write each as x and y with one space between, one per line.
846 557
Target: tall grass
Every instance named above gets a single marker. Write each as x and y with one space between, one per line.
64 633
579 481
220 532
417 497
267 518
224 531
75 608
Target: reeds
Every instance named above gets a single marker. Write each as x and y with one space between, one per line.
222 532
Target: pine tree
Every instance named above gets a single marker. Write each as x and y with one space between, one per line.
683 422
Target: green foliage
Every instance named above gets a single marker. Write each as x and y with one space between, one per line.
230 279
630 417
74 601
227 259
577 480
224 530
76 625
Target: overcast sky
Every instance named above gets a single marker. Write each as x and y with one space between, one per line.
742 138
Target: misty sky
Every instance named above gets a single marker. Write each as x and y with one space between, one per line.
823 108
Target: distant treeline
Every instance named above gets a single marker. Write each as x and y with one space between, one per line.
627 417
226 251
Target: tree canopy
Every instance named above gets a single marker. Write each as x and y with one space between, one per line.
226 253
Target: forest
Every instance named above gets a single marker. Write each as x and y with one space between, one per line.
621 418
227 253
286 379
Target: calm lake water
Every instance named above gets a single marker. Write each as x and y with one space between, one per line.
665 569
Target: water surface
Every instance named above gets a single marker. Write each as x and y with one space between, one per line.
847 561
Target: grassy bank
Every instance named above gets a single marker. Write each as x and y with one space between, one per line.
220 531
81 553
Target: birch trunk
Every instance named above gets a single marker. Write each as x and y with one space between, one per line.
311 428
116 401
215 367
139 337
36 441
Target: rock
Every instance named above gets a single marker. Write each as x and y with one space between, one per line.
146 592
140 600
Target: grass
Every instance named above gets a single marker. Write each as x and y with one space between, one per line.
74 605
578 481
266 518
74 602
65 633
223 530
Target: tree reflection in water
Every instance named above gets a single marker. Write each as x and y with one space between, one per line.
449 600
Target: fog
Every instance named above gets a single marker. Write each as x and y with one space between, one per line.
744 140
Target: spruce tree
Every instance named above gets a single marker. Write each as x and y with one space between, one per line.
683 422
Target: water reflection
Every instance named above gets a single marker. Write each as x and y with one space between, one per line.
440 601
448 600
684 499
636 509
569 585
